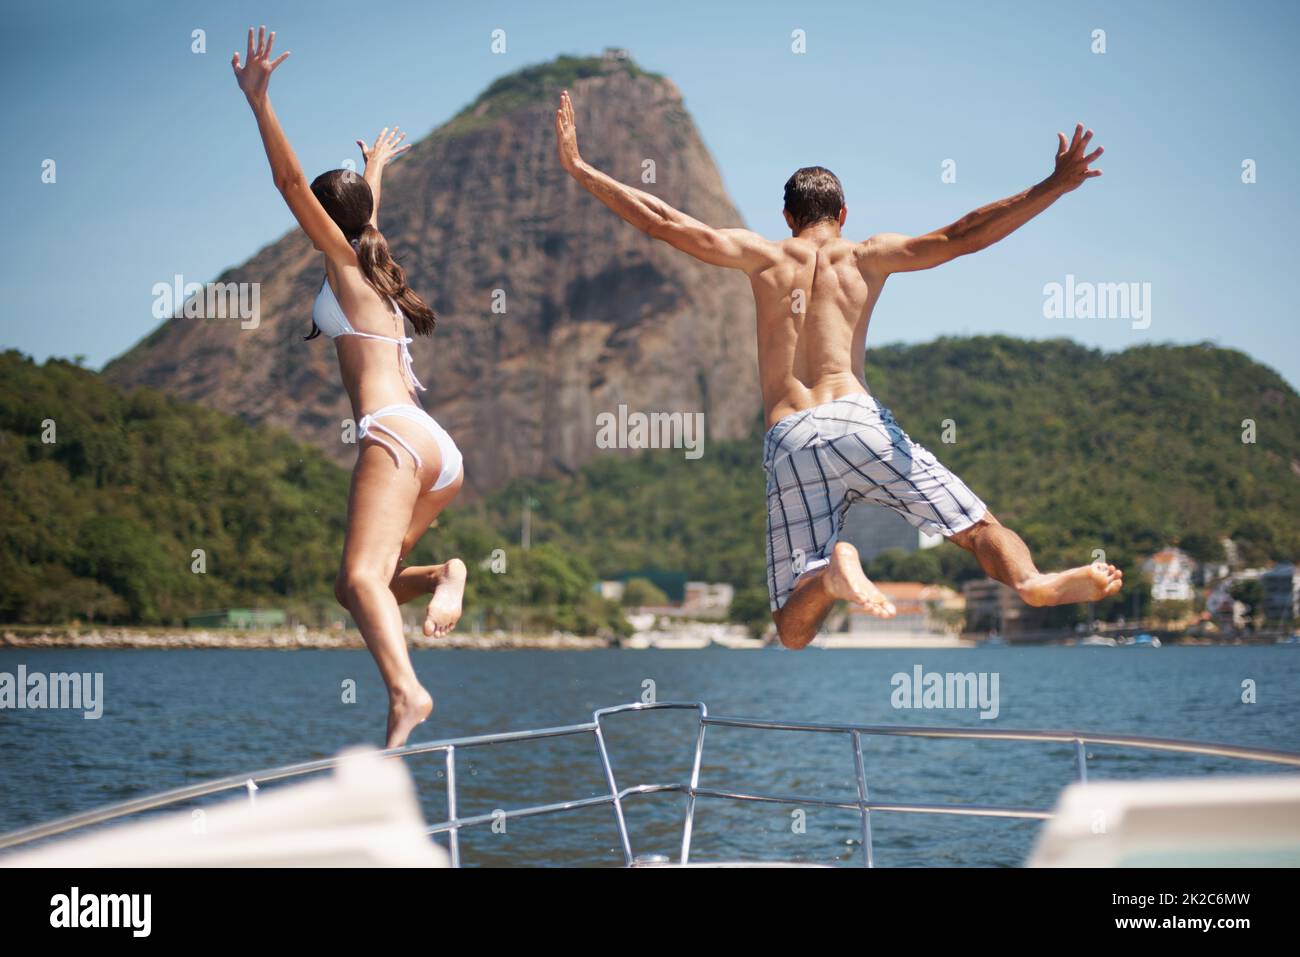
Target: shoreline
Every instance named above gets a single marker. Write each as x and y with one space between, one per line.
290 639
282 639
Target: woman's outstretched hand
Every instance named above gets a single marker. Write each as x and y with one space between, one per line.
255 75
386 149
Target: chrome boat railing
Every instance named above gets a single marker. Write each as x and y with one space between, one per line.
616 795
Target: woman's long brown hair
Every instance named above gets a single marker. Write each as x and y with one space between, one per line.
347 199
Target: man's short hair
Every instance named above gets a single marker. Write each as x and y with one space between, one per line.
813 194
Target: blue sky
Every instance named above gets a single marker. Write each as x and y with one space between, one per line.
160 172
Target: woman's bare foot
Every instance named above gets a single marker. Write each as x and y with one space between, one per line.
405 711
844 578
1085 583
448 591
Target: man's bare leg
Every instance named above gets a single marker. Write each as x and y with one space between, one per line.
1005 557
816 592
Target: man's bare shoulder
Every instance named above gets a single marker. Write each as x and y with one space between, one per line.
800 253
795 248
748 250
799 248
755 241
833 250
832 245
873 253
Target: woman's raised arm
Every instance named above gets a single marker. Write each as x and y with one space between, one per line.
254 76
386 149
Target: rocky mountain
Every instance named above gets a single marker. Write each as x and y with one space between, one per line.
594 313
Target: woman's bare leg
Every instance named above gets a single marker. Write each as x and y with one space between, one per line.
379 508
445 582
415 581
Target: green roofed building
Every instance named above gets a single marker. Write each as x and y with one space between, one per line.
671 583
239 618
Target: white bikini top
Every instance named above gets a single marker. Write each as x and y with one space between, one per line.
329 318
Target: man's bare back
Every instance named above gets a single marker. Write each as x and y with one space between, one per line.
814 302
830 444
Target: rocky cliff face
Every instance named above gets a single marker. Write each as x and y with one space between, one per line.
595 314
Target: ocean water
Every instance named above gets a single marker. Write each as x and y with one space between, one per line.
178 717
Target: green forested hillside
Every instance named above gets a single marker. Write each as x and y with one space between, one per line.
1081 449
1075 448
103 522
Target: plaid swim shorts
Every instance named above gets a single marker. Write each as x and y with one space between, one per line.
821 461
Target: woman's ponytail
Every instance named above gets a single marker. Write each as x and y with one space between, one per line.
389 279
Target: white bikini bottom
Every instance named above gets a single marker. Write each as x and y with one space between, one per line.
451 457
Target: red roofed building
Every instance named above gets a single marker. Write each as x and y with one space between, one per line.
1172 571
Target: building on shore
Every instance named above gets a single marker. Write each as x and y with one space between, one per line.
1225 610
1173 573
1278 597
1281 602
707 599
238 618
922 610
669 581
686 599
993 608
873 529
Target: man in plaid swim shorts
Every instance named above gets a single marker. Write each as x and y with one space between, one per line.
823 460
831 444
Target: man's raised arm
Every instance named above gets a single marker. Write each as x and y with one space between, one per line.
894 252
733 248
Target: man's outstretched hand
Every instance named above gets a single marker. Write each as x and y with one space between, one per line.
566 134
1071 161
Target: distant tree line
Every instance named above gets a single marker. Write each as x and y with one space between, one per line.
1077 449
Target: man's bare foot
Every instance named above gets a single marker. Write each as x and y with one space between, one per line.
448 592
1085 583
844 578
405 711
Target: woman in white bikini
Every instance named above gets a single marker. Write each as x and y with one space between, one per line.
408 468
